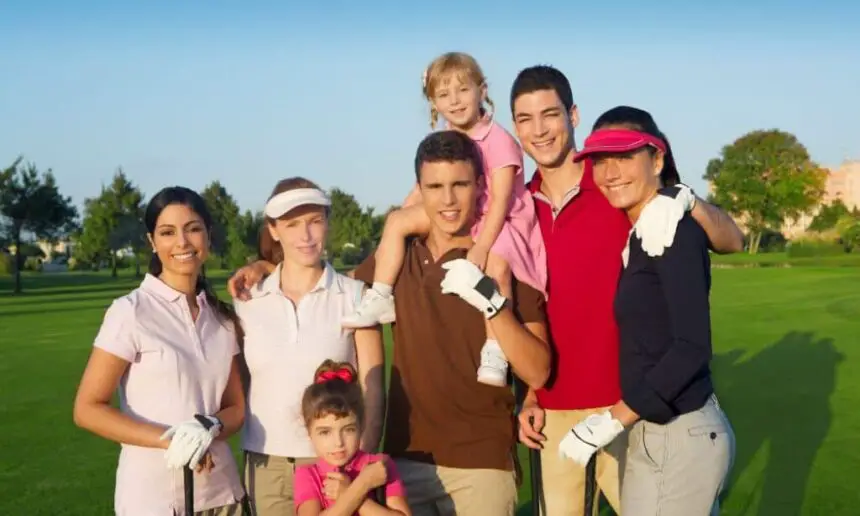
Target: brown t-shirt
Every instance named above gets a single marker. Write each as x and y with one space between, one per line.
438 412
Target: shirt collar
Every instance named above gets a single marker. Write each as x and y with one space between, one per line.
586 183
155 286
352 466
272 284
482 129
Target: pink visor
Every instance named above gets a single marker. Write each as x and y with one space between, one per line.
617 141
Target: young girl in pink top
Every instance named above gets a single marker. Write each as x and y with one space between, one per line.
507 237
343 479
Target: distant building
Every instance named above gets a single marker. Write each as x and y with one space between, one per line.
61 248
843 183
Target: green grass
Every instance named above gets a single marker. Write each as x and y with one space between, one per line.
783 260
787 368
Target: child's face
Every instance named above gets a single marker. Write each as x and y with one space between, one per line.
459 100
335 439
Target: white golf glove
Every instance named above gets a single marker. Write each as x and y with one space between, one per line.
190 440
591 434
659 218
466 280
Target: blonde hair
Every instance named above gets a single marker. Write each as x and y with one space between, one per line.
463 66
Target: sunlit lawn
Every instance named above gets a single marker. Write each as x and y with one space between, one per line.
786 366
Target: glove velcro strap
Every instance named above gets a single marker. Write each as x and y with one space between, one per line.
204 421
487 288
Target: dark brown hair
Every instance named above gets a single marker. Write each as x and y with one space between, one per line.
268 249
193 200
641 120
335 391
448 146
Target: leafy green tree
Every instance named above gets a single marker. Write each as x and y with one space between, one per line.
225 213
828 216
113 221
31 202
765 178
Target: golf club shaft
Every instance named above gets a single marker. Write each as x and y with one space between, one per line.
537 491
188 474
535 470
590 485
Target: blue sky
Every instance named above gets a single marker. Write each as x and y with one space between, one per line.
185 94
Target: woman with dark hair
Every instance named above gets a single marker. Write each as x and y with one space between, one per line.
291 322
170 347
681 444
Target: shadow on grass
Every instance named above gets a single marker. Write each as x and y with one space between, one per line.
779 398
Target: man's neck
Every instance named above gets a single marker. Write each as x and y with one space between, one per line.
557 181
440 243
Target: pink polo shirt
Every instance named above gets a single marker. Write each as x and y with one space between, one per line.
308 480
520 241
177 368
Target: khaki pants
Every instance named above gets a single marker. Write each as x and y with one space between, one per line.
564 480
680 468
440 491
234 509
269 483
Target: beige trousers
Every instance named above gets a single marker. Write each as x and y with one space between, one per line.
269 483
563 480
440 491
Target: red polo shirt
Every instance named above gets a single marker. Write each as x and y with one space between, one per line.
584 240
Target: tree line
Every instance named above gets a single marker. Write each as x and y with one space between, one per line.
110 231
764 179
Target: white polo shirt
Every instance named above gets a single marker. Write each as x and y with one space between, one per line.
178 367
284 345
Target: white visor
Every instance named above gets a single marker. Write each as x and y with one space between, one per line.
287 201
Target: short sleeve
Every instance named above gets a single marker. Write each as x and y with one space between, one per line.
116 335
364 272
305 487
529 303
503 151
394 486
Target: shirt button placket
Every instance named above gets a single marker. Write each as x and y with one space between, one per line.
192 328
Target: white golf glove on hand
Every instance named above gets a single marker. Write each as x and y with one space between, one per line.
466 280
591 434
190 440
659 218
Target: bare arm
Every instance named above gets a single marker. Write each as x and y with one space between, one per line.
371 372
350 501
525 347
723 233
248 276
413 198
232 413
500 197
395 506
94 412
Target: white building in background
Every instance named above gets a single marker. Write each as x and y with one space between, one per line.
843 183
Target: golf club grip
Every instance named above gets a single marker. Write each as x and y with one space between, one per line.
590 485
535 474
188 475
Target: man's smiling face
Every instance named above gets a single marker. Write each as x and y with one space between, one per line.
544 127
449 190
